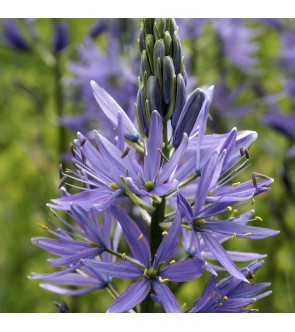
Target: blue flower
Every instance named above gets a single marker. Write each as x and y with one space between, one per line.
87 239
151 273
229 295
13 35
109 174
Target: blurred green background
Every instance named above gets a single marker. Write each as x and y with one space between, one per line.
30 156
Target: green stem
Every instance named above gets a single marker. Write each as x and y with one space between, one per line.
157 218
59 104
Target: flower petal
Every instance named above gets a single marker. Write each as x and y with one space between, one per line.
133 295
138 244
123 270
154 143
184 270
222 256
169 243
166 297
111 109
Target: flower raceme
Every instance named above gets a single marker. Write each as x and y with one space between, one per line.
162 172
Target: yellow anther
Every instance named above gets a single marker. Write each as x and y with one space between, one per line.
124 255
219 296
38 239
145 272
172 262
200 222
114 186
247 234
163 280
234 235
236 184
258 218
253 201
210 192
225 298
140 237
164 233
183 306
235 211
43 226
229 208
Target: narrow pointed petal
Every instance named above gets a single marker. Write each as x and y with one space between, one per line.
237 256
166 297
204 300
86 199
162 189
138 245
222 256
206 179
241 231
69 292
184 207
171 165
123 270
154 143
169 243
184 270
111 109
133 296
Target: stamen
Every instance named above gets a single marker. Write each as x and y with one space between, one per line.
225 298
138 181
73 150
37 239
219 296
163 280
235 211
212 297
172 262
162 154
114 185
83 141
60 171
62 181
229 208
124 255
252 201
83 157
234 235
242 151
250 275
258 218
140 237
124 154
247 234
43 226
145 272
164 233
247 154
236 184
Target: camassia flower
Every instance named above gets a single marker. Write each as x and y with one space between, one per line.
229 295
110 173
150 272
87 238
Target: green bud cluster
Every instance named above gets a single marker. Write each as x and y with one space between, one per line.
162 75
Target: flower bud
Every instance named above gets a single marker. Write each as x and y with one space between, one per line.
188 115
180 100
154 95
168 74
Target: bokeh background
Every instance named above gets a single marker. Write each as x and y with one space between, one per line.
45 97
